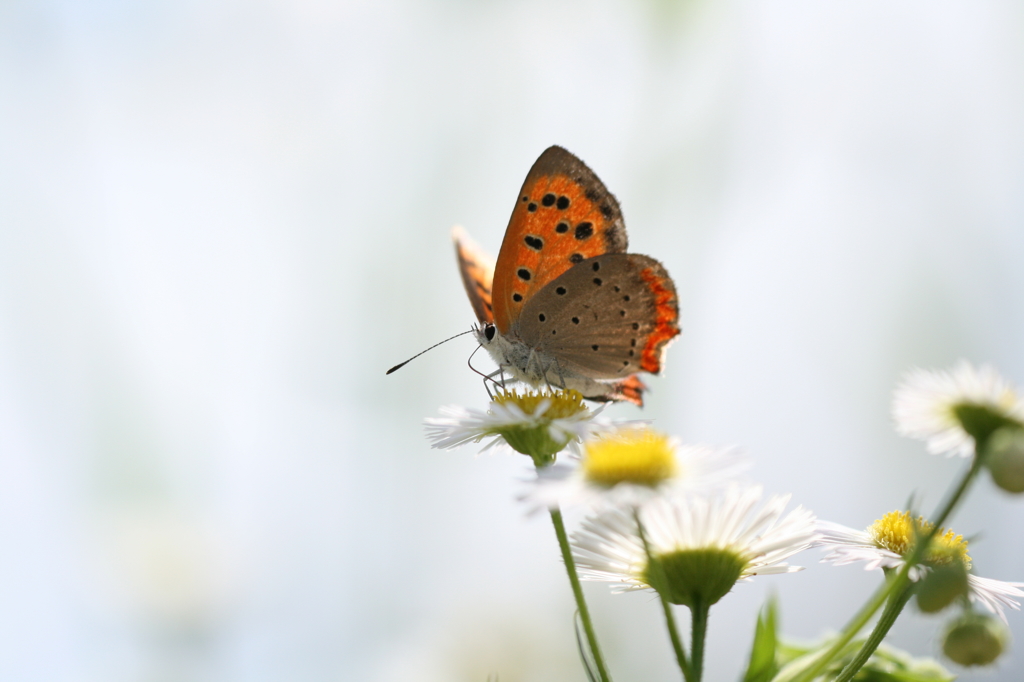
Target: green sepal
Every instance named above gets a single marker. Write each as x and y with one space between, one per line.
689 577
535 441
981 421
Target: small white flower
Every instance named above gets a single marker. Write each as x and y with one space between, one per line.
545 421
630 464
930 405
887 542
700 546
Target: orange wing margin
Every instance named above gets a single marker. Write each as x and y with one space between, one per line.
477 270
563 215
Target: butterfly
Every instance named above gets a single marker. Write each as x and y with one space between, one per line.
565 305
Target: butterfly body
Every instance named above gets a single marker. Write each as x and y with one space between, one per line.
565 305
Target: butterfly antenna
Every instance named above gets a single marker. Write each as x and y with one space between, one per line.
403 364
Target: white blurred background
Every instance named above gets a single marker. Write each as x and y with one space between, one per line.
220 222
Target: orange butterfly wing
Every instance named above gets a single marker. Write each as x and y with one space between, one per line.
477 270
564 214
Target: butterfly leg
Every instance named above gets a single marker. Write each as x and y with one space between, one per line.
545 371
487 377
557 366
561 377
498 383
533 361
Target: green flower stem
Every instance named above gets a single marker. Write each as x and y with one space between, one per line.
885 622
670 621
855 625
897 585
577 591
677 644
947 508
699 613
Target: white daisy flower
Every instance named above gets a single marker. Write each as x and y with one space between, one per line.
950 410
699 546
539 424
889 540
631 463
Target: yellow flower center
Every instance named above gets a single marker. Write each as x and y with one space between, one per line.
534 436
564 403
897 532
639 456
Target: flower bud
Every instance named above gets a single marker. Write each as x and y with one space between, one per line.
941 586
975 639
1005 459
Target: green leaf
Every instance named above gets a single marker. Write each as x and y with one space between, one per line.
763 664
885 665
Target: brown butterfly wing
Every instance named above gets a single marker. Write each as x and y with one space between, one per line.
564 214
477 270
607 317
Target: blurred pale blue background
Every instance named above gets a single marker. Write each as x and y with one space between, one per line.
220 222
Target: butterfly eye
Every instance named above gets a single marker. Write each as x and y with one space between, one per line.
489 332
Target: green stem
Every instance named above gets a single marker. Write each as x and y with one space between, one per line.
897 585
885 622
947 508
577 591
677 644
670 621
699 612
849 632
